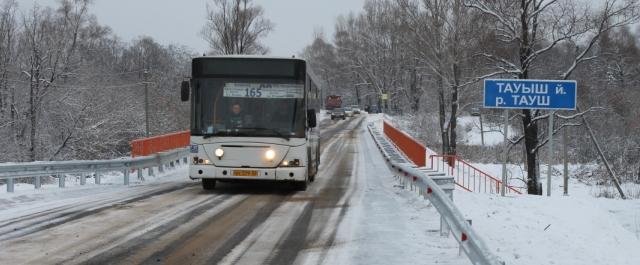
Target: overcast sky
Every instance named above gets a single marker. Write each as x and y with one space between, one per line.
179 21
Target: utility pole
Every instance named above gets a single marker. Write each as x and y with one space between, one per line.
612 174
565 142
146 75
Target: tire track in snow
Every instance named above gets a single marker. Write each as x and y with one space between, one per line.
27 226
203 230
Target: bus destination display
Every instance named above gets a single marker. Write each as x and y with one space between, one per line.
257 90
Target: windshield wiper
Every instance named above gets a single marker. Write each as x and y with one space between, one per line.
278 133
233 132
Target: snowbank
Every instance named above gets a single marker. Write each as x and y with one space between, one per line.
551 230
574 229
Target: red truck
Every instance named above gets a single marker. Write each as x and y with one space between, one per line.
333 102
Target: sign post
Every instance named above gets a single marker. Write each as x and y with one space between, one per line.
503 189
530 94
550 155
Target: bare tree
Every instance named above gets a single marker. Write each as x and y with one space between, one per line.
442 34
235 27
533 28
50 43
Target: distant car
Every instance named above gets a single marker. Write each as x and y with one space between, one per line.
356 109
348 111
338 114
374 109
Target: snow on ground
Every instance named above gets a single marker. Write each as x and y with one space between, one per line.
386 224
576 229
470 128
552 230
323 115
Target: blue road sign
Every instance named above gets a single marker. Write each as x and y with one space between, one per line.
530 94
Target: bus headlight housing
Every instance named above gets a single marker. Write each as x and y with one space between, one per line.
270 154
219 153
291 163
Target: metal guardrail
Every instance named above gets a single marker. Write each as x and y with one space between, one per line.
12 171
470 242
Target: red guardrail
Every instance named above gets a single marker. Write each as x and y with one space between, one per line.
152 145
415 151
466 176
469 177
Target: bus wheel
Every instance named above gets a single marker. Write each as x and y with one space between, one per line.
208 184
300 185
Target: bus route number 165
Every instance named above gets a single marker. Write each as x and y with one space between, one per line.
256 92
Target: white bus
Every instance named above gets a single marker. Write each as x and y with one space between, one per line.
253 118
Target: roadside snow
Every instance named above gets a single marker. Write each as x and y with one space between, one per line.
552 230
575 229
386 224
323 115
470 128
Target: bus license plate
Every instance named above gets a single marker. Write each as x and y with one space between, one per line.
245 173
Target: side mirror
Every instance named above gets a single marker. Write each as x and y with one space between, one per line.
184 91
311 118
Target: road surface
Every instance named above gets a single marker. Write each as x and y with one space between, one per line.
351 214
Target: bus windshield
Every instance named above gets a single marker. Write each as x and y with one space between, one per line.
244 107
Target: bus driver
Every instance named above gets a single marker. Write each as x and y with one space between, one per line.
235 119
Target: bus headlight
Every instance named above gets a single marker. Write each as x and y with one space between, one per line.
270 154
219 152
292 163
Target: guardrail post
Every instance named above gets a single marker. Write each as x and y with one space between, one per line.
83 179
97 178
444 227
37 182
161 168
10 187
61 181
171 164
150 172
140 176
126 176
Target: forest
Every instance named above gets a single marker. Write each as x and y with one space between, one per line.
430 57
70 88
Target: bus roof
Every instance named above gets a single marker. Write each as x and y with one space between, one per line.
244 56
267 57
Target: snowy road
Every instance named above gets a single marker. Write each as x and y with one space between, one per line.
352 214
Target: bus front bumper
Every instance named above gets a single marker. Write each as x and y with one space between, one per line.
223 173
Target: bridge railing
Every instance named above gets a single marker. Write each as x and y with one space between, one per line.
147 154
470 242
469 177
160 143
414 150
